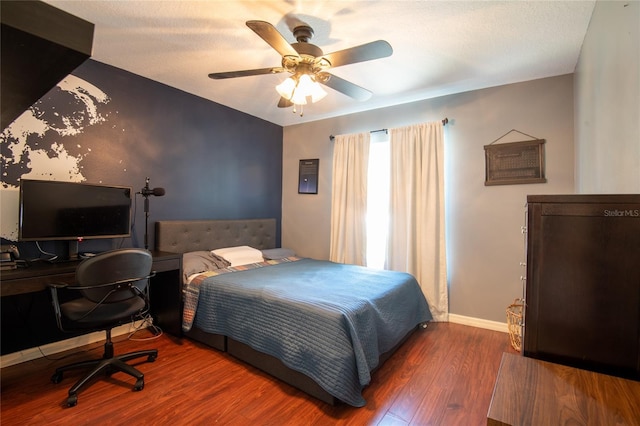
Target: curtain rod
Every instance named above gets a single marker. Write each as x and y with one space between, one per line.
444 123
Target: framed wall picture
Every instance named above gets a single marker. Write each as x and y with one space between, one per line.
515 163
308 176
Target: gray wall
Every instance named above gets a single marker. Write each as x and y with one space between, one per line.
485 246
607 103
484 241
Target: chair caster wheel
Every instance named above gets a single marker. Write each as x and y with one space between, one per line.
72 401
56 378
139 385
151 358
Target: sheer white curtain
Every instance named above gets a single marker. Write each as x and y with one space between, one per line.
416 230
349 199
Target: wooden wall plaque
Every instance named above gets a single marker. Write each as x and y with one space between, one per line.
514 163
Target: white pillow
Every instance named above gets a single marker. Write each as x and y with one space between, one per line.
240 255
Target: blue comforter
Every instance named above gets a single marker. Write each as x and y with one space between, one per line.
327 320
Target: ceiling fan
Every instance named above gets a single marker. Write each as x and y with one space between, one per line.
308 65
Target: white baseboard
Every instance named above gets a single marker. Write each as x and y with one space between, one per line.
75 342
64 345
480 323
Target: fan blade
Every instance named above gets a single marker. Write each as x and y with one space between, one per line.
365 52
245 73
348 88
284 103
269 34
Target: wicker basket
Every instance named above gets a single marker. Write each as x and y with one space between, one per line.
514 322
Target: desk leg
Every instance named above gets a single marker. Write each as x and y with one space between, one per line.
166 301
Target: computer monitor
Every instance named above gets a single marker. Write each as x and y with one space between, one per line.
54 210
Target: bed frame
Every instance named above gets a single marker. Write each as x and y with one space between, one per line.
182 236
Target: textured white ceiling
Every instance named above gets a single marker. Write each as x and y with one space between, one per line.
439 47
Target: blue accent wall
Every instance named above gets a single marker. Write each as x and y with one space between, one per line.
213 161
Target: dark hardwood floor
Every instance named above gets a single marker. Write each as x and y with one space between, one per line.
443 375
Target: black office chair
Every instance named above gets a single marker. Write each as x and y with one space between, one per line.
113 286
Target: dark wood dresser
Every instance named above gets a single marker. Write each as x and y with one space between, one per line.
583 282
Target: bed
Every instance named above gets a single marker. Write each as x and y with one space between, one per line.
293 317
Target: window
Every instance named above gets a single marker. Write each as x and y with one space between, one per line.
378 200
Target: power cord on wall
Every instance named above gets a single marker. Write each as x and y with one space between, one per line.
100 345
146 322
52 256
134 237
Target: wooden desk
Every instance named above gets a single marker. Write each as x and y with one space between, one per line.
165 292
27 316
36 277
533 392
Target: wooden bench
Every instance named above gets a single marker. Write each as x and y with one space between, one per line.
533 392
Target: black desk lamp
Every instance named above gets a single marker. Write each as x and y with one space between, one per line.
146 192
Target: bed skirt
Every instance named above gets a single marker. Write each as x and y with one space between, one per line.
272 365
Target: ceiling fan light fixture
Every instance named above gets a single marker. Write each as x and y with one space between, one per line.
310 87
305 84
299 97
298 88
317 93
308 65
286 88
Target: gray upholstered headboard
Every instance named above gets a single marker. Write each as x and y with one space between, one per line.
182 236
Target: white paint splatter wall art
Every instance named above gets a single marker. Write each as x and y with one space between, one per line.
41 143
